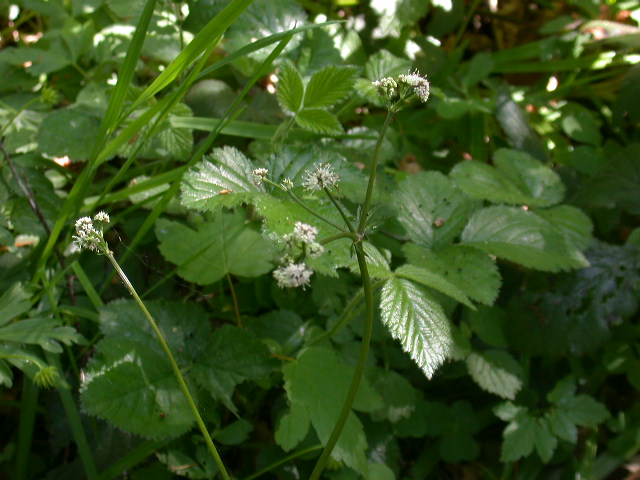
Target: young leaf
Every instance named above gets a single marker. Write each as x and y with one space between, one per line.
215 248
473 272
496 372
317 382
231 356
432 209
318 121
517 178
290 88
225 178
418 321
521 237
329 86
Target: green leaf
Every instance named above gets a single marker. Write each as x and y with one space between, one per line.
70 131
488 324
377 263
572 222
522 237
457 444
398 395
580 124
496 372
479 68
133 387
433 280
329 85
46 332
317 383
224 245
544 440
14 302
318 121
231 356
432 209
292 428
518 436
517 178
473 272
418 321
290 87
226 170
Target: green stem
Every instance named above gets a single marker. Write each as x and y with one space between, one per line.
313 212
282 461
340 211
372 174
28 405
174 366
359 370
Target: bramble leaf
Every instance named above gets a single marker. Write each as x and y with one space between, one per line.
418 321
433 280
290 87
223 178
46 332
318 121
224 245
432 209
517 178
521 237
496 372
317 383
471 271
572 222
329 85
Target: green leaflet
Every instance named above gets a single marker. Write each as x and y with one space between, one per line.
223 245
290 88
318 121
71 132
517 178
432 209
418 321
521 237
317 383
42 331
496 372
470 271
328 86
433 280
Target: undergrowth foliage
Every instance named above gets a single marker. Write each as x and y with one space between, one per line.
385 240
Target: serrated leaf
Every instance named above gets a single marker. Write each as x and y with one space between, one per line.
133 387
232 356
544 441
521 237
488 324
495 372
318 121
377 263
517 178
398 395
46 332
473 272
561 426
572 222
292 428
518 437
329 85
584 410
418 321
224 245
580 124
317 382
14 302
222 179
433 280
290 88
432 209
68 132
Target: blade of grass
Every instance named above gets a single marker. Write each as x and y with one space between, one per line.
28 405
91 292
136 456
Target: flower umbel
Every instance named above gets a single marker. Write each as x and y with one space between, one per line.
89 233
293 275
419 85
323 176
258 175
386 87
305 232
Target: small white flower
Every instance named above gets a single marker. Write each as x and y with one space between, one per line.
293 275
102 217
287 184
323 176
258 175
314 250
304 232
386 87
419 84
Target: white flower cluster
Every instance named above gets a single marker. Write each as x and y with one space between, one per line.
293 275
258 176
403 88
88 235
323 176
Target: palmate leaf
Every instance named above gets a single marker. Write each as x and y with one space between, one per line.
418 321
432 209
222 179
224 245
473 272
329 85
517 178
521 237
317 383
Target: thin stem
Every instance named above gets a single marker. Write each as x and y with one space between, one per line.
313 212
372 175
283 461
174 365
359 370
340 210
